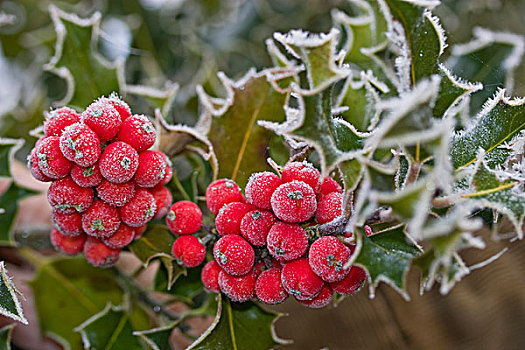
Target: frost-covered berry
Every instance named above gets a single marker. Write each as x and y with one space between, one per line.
329 185
100 220
68 224
255 226
302 171
117 103
287 241
139 210
50 160
299 280
151 169
86 177
103 119
184 218
221 192
327 256
32 164
268 287
238 288
234 254
210 276
188 251
138 132
65 196
228 221
121 238
351 283
321 300
58 119
80 144
168 173
114 194
119 162
163 199
329 207
99 254
71 245
260 188
140 230
294 202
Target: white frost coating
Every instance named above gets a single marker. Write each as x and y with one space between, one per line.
95 317
489 260
16 145
484 37
439 30
169 92
403 62
387 70
277 56
13 293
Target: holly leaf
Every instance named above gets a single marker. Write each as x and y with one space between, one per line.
5 336
158 338
188 284
68 291
237 325
9 201
87 73
9 304
8 148
108 329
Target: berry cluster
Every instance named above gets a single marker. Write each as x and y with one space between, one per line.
266 250
105 183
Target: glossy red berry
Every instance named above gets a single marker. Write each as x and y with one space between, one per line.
234 254
228 221
268 287
151 169
114 194
99 254
117 103
210 276
80 144
327 257
71 245
139 210
188 251
351 283
260 188
65 196
50 159
221 192
32 164
86 177
119 162
299 280
58 119
100 220
184 218
294 202
138 132
255 226
302 171
103 119
287 241
321 300
329 208
68 224
121 238
238 288
163 199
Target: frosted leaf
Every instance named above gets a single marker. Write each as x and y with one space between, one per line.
8 148
9 304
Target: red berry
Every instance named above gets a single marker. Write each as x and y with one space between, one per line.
234 255
210 276
86 177
168 173
188 251
116 195
321 300
287 241
57 120
71 245
163 200
228 221
329 185
255 226
302 171
138 132
121 238
184 218
139 210
32 164
119 162
68 224
101 219
99 254
221 192
260 188
50 160
121 106
103 119
151 169
268 287
299 280
329 208
65 196
294 202
139 231
351 283
80 144
327 256
238 288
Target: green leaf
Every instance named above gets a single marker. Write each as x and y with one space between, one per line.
88 75
67 292
387 256
8 148
239 326
9 304
9 201
5 336
158 338
108 329
188 284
